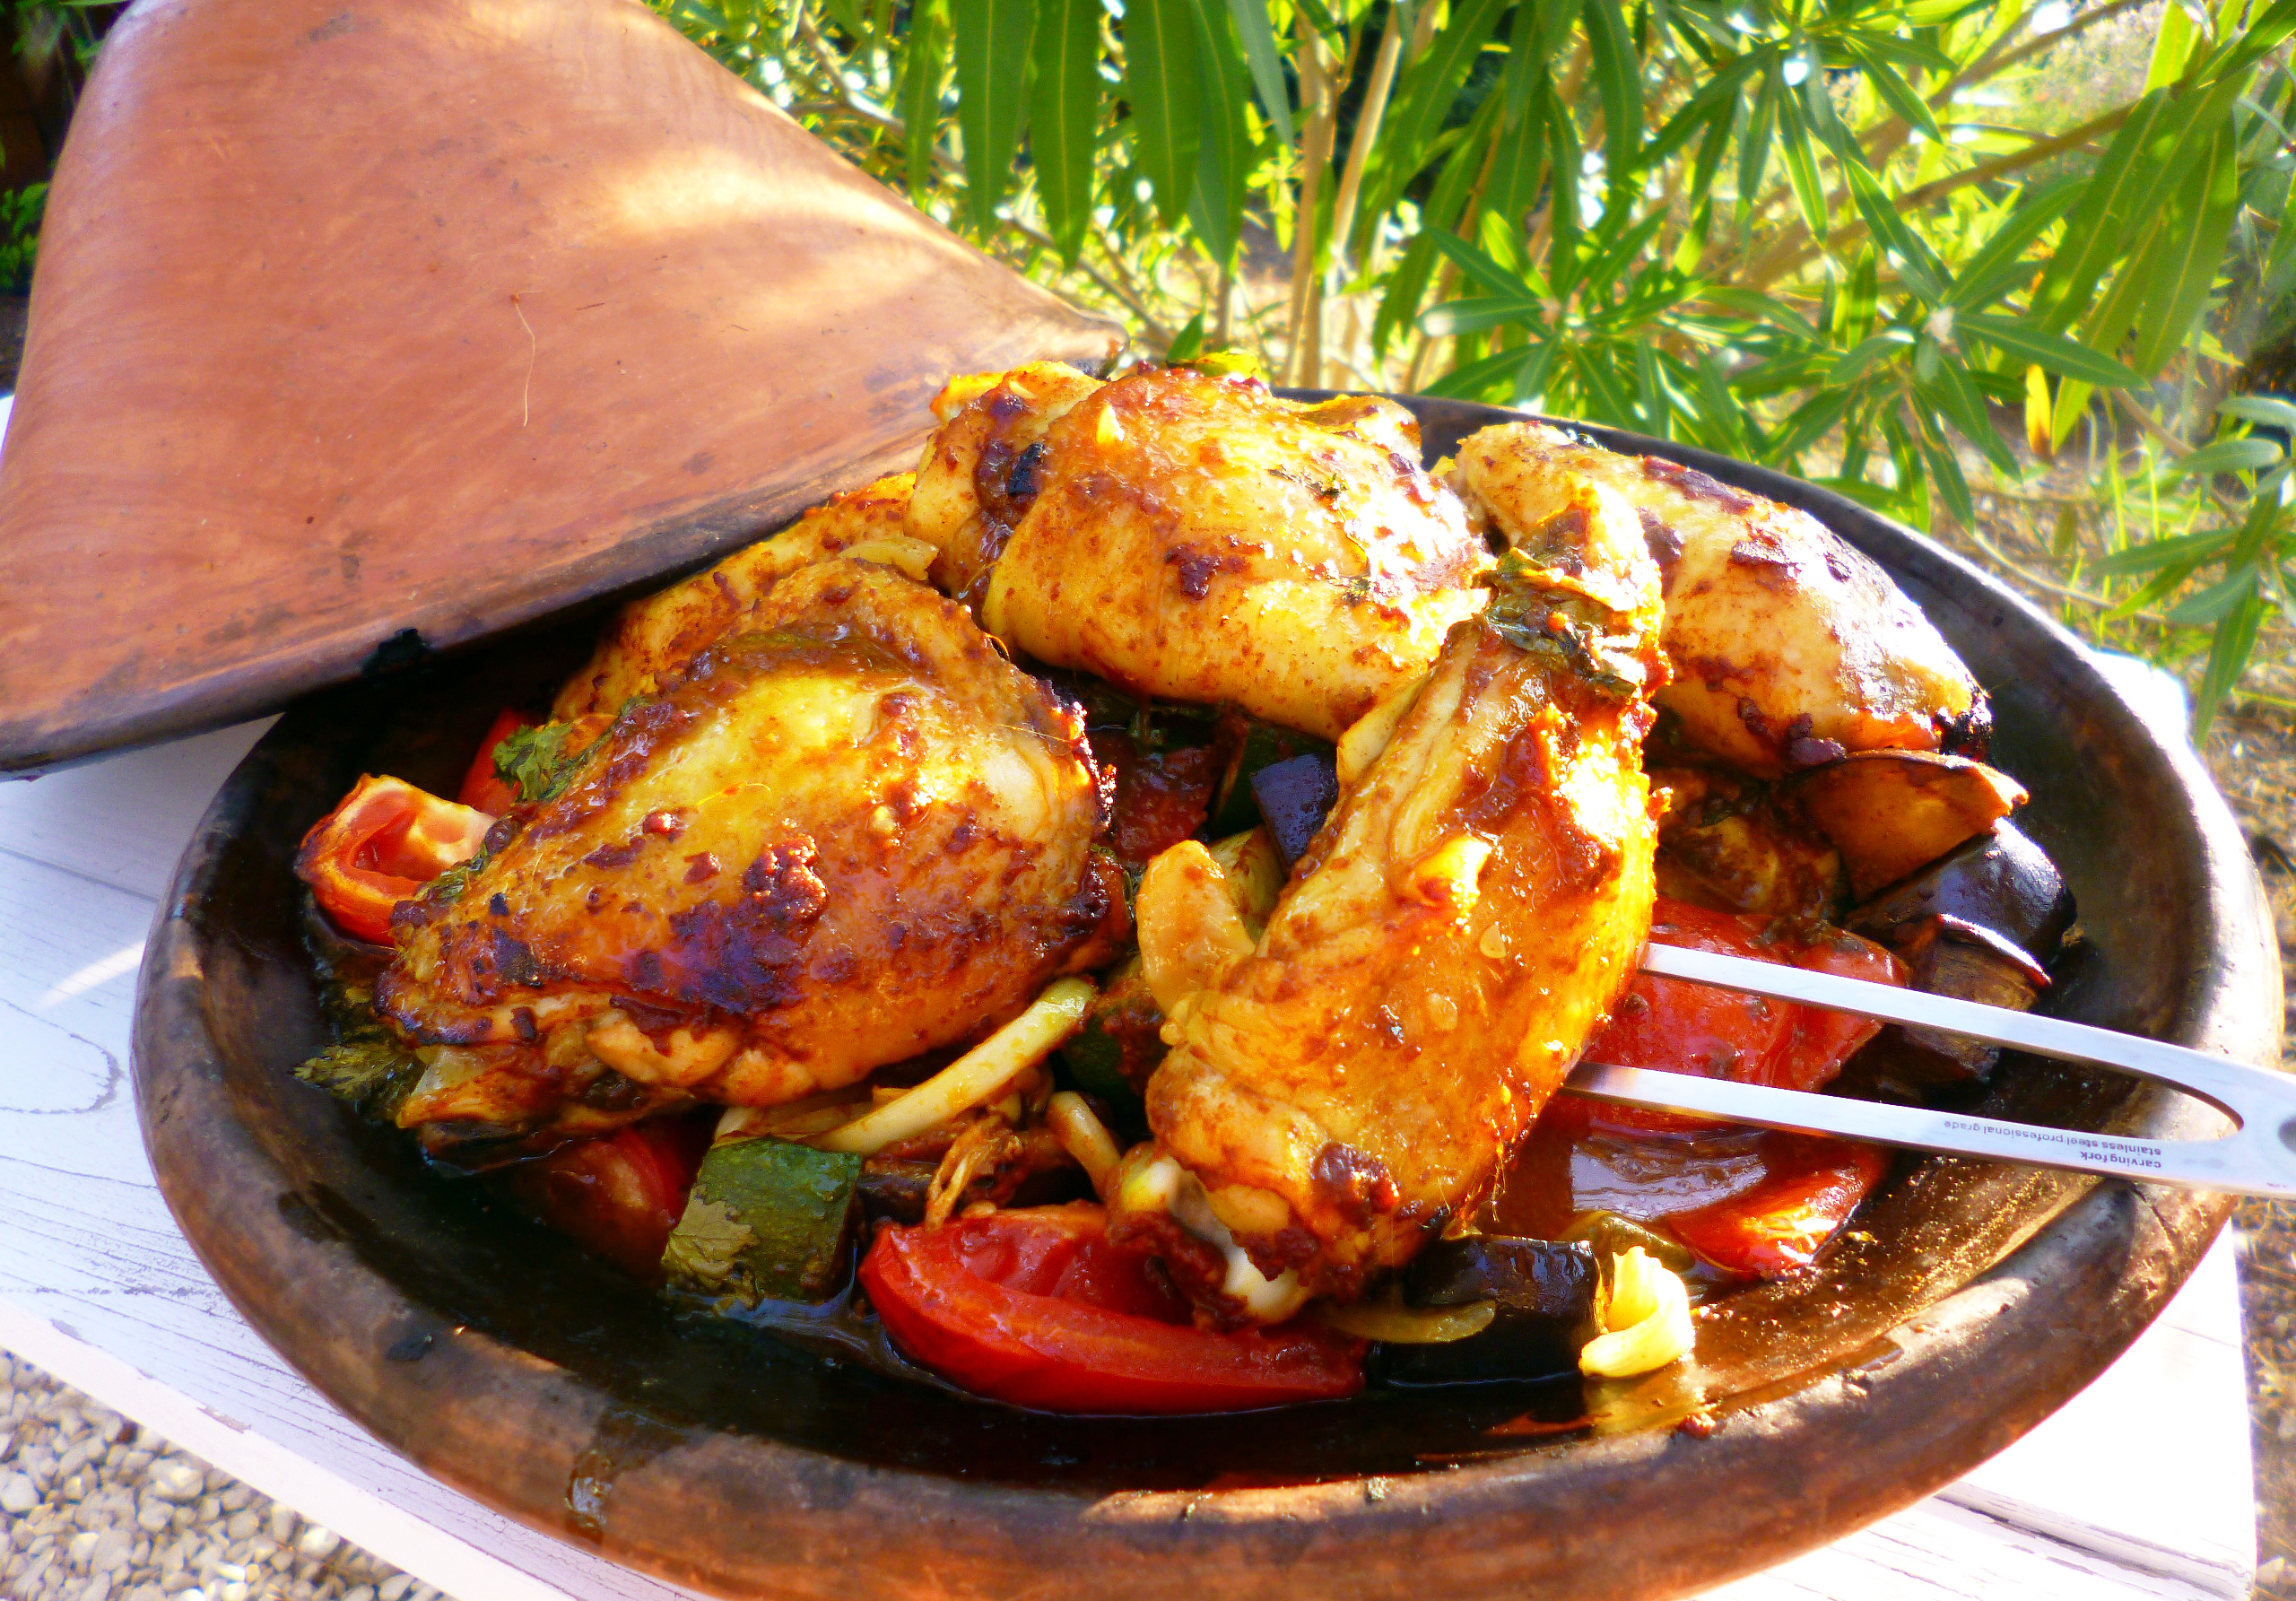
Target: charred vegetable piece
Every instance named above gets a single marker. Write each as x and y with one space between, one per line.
1257 746
895 1188
2000 880
1294 797
1892 812
1119 1044
1976 926
1946 956
620 1195
768 1220
1544 1294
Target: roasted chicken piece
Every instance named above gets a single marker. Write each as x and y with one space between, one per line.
1196 538
982 467
1789 648
1339 1090
651 638
851 833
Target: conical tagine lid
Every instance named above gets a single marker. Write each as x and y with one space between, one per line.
436 315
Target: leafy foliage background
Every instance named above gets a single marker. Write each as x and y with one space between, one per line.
1841 236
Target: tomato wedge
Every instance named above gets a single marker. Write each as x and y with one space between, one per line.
1161 797
1748 1201
1810 1189
619 1195
381 847
1676 1026
1037 1307
484 789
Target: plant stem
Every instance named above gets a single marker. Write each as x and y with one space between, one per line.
1317 99
2144 419
1789 254
1367 131
2063 591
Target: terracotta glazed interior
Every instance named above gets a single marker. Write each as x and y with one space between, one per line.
2152 915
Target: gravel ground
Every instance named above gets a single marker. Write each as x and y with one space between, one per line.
97 1509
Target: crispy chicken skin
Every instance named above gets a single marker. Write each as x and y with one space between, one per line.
848 834
1471 910
1196 538
1789 648
981 468
654 636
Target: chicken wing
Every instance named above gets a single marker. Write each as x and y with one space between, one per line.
1338 1091
1197 538
1789 648
848 834
652 637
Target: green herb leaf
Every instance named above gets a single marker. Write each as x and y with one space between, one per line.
367 1065
1266 62
1064 115
534 761
992 52
1160 84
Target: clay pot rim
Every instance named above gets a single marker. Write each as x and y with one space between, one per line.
2011 1345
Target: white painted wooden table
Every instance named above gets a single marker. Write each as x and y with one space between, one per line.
2139 1488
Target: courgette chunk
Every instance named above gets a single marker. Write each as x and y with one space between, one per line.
768 1220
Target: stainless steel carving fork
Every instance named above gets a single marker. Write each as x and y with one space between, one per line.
2258 1158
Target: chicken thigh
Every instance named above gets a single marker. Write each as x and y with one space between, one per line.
848 834
1196 538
